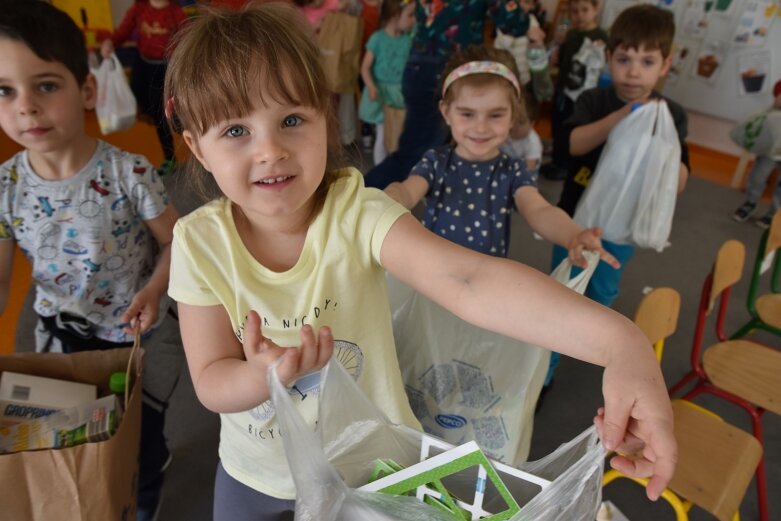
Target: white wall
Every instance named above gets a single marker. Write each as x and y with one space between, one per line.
118 10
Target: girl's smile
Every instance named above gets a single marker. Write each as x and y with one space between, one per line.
480 118
270 161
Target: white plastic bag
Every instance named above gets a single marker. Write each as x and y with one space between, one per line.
116 105
329 463
465 383
633 190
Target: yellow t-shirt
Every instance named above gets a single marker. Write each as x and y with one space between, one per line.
338 281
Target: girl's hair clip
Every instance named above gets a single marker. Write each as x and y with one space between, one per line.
170 115
481 67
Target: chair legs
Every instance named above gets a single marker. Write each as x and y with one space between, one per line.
756 424
753 324
680 508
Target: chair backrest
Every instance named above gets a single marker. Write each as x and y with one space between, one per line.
657 316
774 234
727 269
716 460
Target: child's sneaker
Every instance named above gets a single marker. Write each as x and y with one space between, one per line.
168 166
745 211
764 221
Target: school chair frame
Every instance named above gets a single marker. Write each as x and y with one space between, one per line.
741 372
765 309
716 460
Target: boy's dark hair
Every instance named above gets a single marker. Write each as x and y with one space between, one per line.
644 26
49 33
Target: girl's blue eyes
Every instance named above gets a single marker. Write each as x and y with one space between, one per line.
239 131
292 121
235 132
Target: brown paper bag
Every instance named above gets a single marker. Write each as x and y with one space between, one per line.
91 481
339 38
393 124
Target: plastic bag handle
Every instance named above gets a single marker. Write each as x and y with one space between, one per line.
564 269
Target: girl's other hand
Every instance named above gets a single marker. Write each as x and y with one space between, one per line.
311 355
589 240
372 92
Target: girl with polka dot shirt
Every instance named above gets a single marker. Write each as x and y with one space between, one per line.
470 186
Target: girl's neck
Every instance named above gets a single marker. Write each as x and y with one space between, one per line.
275 242
159 4
62 164
489 156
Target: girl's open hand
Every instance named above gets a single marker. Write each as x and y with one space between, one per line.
311 355
589 240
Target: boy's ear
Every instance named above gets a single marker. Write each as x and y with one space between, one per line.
89 92
666 64
192 144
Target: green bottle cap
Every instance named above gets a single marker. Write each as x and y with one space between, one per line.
117 382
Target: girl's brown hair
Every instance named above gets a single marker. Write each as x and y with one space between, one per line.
475 53
226 62
390 9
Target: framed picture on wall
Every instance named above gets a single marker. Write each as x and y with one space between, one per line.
682 54
710 60
695 19
754 73
755 21
724 8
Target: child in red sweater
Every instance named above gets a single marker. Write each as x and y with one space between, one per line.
155 21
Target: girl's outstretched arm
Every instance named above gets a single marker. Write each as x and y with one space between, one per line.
409 192
515 300
229 376
554 225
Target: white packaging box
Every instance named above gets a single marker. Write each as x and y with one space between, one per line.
25 397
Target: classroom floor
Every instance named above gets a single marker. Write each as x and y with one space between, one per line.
702 223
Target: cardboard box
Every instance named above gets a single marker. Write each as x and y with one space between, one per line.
24 397
89 422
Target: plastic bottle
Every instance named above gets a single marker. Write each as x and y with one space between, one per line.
538 66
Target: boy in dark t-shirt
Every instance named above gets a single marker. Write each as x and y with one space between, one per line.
638 56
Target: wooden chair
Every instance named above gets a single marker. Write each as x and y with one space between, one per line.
740 371
765 309
715 459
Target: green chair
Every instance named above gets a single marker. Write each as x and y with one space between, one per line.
765 308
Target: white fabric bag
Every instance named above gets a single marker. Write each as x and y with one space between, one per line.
116 105
634 187
328 464
465 383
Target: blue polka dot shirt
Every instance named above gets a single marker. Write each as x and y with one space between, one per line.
470 202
